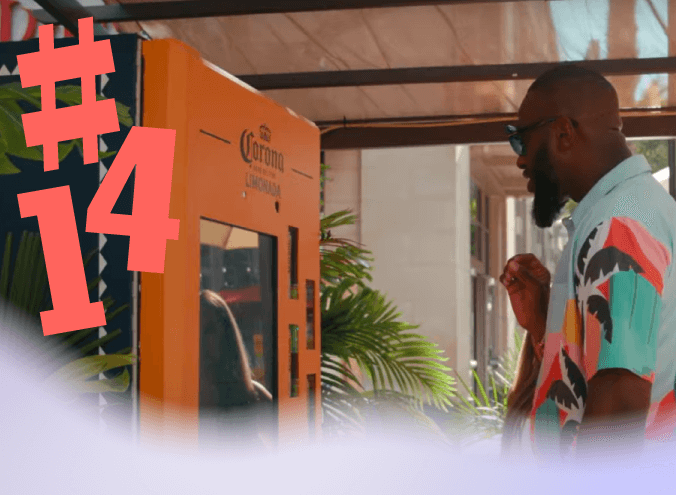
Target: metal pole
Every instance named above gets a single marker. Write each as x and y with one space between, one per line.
671 146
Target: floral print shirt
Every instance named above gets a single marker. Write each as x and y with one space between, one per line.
612 305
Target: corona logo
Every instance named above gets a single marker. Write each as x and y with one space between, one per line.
254 151
266 133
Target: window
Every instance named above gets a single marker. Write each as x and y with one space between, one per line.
482 338
294 365
310 314
293 263
311 409
238 332
479 235
322 182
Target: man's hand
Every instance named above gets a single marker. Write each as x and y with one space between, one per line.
527 282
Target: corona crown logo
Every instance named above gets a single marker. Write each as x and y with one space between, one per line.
266 133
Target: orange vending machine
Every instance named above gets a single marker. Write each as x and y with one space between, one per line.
234 319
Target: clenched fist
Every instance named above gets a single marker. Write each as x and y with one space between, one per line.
527 282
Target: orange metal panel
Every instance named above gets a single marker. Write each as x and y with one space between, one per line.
217 120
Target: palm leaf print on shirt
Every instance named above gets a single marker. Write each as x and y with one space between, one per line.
606 252
570 392
620 268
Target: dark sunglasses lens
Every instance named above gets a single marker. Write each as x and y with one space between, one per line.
517 145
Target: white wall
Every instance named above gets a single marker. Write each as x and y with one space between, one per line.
342 190
415 219
511 251
662 177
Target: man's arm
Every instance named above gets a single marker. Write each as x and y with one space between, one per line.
615 414
620 273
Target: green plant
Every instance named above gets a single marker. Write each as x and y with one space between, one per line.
12 136
482 415
362 331
569 208
76 375
656 153
24 285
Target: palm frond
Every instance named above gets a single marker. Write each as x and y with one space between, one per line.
360 326
75 375
363 326
24 286
12 134
342 259
482 413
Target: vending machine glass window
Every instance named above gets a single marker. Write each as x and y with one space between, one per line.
238 338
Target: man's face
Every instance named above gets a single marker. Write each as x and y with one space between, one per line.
547 203
538 165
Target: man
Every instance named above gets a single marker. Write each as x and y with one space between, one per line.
603 336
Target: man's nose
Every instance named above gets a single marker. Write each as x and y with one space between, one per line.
521 162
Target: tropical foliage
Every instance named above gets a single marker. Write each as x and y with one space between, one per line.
23 278
24 285
372 362
15 101
481 414
369 357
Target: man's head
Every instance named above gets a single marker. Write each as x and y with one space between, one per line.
570 128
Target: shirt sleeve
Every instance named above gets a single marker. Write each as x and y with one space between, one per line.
619 279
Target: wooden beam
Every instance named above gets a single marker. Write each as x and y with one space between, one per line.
648 126
498 116
67 13
485 178
499 161
191 9
451 74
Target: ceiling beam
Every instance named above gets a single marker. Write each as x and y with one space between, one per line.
499 161
451 74
469 117
190 9
485 178
644 126
67 13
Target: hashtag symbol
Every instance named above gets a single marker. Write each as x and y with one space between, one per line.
44 68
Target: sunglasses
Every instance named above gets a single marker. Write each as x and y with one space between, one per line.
516 134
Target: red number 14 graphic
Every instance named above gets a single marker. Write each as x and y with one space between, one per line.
148 227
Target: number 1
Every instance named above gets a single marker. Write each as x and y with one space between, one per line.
65 271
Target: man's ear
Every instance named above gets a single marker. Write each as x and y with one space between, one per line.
565 134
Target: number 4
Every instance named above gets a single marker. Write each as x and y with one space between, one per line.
149 226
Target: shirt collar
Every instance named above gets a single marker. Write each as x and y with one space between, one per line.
625 170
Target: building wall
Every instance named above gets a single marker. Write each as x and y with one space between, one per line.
546 244
498 256
510 234
415 220
342 190
412 207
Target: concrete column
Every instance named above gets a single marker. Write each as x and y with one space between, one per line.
415 220
511 251
342 189
498 232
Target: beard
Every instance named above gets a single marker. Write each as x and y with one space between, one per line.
547 203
